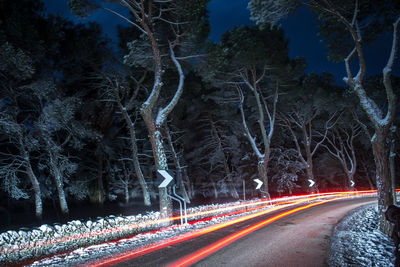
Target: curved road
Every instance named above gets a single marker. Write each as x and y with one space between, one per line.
300 239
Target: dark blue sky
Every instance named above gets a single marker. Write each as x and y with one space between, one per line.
300 29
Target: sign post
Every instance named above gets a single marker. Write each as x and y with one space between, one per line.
168 178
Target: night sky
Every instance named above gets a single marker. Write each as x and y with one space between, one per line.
300 28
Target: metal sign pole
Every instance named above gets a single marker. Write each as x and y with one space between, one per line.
180 205
183 200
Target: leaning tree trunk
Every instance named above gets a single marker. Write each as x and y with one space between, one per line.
36 190
139 173
134 150
56 173
177 163
189 185
61 193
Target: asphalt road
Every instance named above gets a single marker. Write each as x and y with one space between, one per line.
300 239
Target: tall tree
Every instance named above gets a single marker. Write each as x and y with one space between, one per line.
125 98
308 116
341 145
164 26
347 26
255 62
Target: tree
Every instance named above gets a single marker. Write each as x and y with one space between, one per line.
308 146
16 69
16 165
347 26
125 99
177 158
341 145
256 64
164 25
285 169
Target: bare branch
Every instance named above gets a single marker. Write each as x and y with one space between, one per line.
125 18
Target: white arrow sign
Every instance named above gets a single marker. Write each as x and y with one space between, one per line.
259 183
167 178
351 183
311 182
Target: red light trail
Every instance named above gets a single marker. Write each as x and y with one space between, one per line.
186 236
202 253
235 209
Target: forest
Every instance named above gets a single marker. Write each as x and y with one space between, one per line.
85 123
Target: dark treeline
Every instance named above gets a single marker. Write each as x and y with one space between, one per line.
84 126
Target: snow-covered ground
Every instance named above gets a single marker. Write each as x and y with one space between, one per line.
356 241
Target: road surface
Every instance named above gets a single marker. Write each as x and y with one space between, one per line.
300 239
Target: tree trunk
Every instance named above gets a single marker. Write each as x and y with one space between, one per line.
383 182
392 167
134 149
59 183
161 164
214 187
349 178
36 190
100 185
177 164
126 191
188 185
61 194
310 175
142 181
262 172
231 186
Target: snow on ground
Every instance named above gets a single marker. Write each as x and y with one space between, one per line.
91 253
356 241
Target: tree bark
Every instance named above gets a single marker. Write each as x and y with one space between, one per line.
177 163
100 185
392 167
383 183
262 172
135 158
58 180
36 189
160 160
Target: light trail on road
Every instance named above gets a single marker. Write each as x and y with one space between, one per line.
204 252
186 236
235 209
296 200
213 213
